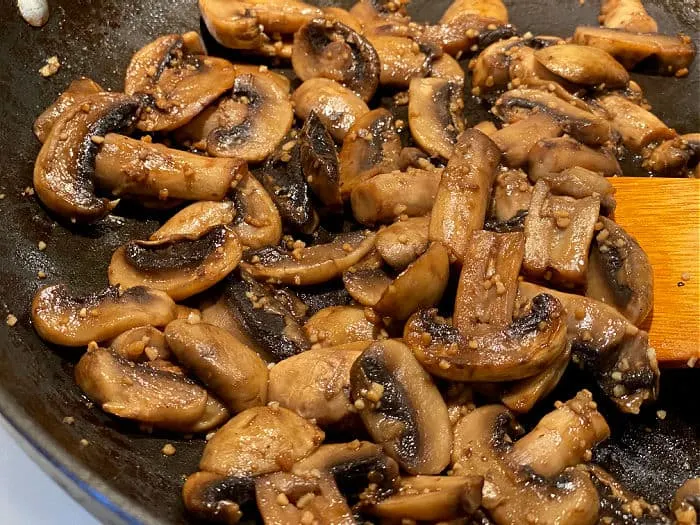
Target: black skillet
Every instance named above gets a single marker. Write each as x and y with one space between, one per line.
121 476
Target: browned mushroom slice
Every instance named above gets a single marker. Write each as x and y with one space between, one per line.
555 494
402 242
431 498
315 384
615 350
686 502
230 369
553 155
139 392
196 219
126 166
371 146
252 24
421 285
666 55
65 166
338 14
309 265
521 396
260 440
583 125
366 281
76 93
64 319
402 59
510 201
583 65
494 10
620 273
141 344
387 196
448 69
252 121
435 108
217 498
332 50
463 195
517 139
319 160
401 407
181 266
336 106
287 499
637 126
668 158
629 15
257 221
558 234
523 349
178 85
337 325
491 68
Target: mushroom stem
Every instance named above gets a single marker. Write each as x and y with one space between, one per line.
562 438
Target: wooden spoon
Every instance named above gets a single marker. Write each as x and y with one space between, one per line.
664 216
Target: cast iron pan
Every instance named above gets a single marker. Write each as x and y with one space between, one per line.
121 476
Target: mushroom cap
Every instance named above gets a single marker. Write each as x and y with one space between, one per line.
323 48
319 160
217 498
584 65
64 168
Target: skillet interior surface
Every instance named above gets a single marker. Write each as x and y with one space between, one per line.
121 476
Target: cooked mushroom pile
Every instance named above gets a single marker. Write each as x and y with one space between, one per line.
353 308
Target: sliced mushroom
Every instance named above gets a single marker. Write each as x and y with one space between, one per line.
493 10
615 350
558 234
76 93
177 84
336 106
521 396
139 392
671 157
65 166
64 319
435 108
309 265
518 481
510 201
583 125
253 24
366 281
319 160
637 127
217 498
310 499
620 273
666 55
629 15
126 166
316 384
181 265
141 344
517 139
337 325
252 121
421 285
195 219
356 466
401 407
449 69
234 372
525 348
463 195
371 146
404 241
260 440
388 196
257 222
583 65
431 498
686 502
402 59
333 50
253 309
284 179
